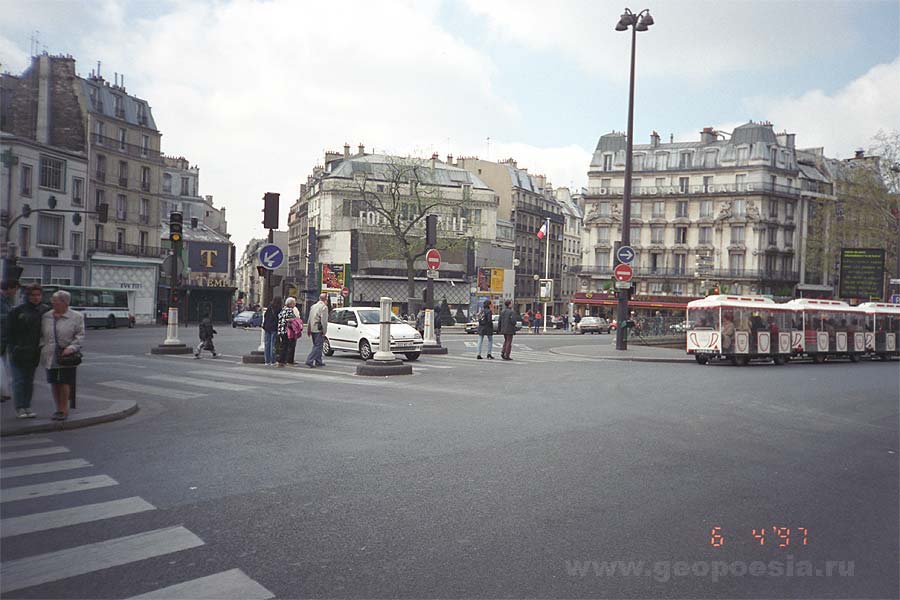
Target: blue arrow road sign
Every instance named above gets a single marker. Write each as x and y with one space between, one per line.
271 256
625 254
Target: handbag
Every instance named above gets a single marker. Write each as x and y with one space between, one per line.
65 360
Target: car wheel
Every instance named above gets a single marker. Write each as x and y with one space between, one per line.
701 359
580 333
780 359
365 350
110 322
818 358
413 356
327 350
233 325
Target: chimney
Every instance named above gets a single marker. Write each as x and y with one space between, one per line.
450 159
346 151
331 156
362 150
708 135
654 139
43 101
434 159
860 153
785 139
671 138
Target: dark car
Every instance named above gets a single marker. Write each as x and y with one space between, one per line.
593 325
248 318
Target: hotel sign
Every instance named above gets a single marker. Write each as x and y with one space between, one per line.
663 190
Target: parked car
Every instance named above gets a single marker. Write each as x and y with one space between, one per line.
680 327
593 325
472 326
358 330
248 318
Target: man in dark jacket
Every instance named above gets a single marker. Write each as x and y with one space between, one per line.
24 348
508 320
206 337
486 330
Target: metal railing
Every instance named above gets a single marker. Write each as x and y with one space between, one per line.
689 273
129 149
126 249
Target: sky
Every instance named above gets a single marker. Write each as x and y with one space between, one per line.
254 92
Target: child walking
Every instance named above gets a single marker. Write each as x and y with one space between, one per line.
206 337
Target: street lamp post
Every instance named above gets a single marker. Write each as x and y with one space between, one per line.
638 22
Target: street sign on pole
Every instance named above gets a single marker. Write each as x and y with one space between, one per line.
895 281
623 273
271 256
895 298
625 255
433 259
432 274
623 285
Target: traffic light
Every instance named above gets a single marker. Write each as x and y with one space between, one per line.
26 211
270 210
260 270
176 226
175 298
103 212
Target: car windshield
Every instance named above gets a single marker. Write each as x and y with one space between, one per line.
247 314
371 316
589 320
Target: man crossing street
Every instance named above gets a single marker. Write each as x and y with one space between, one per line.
318 327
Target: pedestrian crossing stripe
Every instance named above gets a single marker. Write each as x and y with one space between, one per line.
66 486
17 454
26 442
40 468
516 346
199 382
151 390
227 584
72 516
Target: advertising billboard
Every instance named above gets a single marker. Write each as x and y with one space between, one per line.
490 280
862 273
333 277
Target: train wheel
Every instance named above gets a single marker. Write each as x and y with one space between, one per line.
818 358
701 359
742 361
883 356
854 358
780 360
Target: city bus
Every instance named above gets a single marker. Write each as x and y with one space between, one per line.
101 307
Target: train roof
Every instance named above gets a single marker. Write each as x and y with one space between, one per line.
736 301
886 307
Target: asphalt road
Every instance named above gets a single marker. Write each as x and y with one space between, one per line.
468 479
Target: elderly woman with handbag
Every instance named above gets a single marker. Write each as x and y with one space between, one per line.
62 332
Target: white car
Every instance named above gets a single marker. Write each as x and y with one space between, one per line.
357 330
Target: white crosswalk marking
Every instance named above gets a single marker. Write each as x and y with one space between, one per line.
17 454
50 467
227 584
66 486
53 566
198 382
26 442
151 390
72 516
253 378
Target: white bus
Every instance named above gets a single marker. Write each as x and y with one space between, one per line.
101 307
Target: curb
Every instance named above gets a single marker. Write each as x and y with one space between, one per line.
646 359
119 410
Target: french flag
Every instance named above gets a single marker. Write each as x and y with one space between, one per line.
542 231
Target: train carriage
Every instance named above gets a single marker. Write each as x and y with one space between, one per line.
827 329
739 329
882 329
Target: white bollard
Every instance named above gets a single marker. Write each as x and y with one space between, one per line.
262 333
172 329
384 342
428 338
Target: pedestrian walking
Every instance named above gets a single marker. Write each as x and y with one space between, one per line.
486 330
538 317
8 290
23 346
527 321
270 329
287 335
318 327
508 320
62 333
206 331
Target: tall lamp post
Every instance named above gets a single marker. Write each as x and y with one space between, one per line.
637 22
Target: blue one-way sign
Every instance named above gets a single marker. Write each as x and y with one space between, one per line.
625 254
271 256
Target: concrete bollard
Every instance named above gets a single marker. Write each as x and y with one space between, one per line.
384 339
172 345
384 362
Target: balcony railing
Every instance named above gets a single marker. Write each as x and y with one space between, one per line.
123 182
721 189
145 186
144 219
126 249
129 149
711 274
101 175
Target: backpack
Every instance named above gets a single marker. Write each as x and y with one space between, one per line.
294 329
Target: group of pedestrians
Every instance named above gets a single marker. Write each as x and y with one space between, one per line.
33 334
283 328
506 326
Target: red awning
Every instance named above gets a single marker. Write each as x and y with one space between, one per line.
632 303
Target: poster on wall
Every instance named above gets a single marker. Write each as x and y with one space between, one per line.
333 277
490 280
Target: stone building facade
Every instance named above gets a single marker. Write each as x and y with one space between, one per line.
571 253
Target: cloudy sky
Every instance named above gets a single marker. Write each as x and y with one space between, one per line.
255 92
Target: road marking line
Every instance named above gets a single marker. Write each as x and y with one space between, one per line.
252 378
26 442
204 383
54 566
227 584
50 467
66 486
16 454
152 390
72 516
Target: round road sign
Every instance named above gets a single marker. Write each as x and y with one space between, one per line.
623 273
433 259
345 292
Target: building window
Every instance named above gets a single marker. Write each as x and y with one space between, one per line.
685 160
24 240
77 191
740 207
185 186
638 162
706 235
603 209
681 209
661 161
771 264
606 184
122 134
706 208
656 287
602 259
773 236
659 209
681 235
607 162
786 265
660 184
707 183
121 207
76 244
789 211
657 234
120 109
709 158
145 210
635 210
26 180
101 132
773 209
683 184
143 242
50 230
636 185
656 262
145 145
680 264
603 235
123 173
167 183
635 235
120 240
99 198
101 167
742 156
145 179
736 262
740 183
53 173
737 235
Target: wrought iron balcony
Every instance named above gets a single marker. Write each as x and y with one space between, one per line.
128 149
126 249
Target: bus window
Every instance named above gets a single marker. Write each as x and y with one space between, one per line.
703 318
121 299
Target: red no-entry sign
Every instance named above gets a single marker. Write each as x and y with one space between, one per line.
433 259
623 273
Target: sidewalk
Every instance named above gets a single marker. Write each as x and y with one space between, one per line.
635 353
90 411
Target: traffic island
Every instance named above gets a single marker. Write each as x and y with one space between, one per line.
171 349
436 349
379 368
254 358
172 345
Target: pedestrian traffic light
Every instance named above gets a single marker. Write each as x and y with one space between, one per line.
260 270
103 212
175 298
176 225
270 210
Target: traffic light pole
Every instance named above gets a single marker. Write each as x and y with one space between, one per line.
172 345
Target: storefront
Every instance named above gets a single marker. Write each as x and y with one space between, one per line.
138 275
604 305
